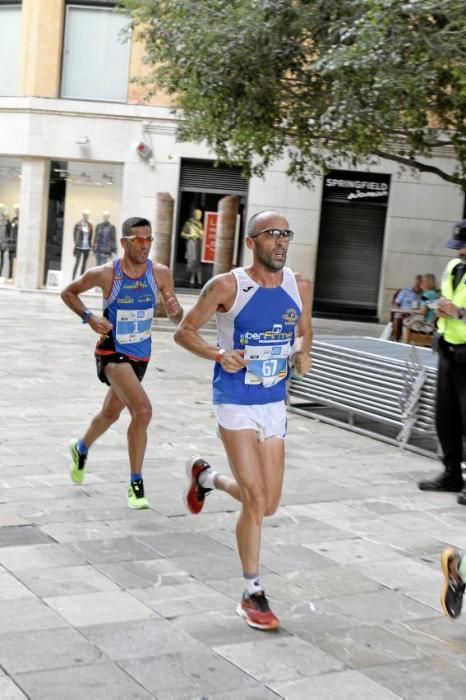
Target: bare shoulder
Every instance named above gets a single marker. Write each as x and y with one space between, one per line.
162 273
221 287
158 267
304 283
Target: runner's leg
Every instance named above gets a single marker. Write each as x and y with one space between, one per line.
272 456
109 414
129 390
242 451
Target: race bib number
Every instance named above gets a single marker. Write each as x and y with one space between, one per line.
267 365
133 326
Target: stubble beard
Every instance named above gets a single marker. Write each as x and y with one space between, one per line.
269 262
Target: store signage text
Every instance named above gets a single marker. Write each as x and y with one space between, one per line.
210 233
361 188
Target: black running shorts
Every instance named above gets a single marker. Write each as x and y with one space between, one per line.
138 366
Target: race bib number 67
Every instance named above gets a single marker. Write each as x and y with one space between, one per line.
267 365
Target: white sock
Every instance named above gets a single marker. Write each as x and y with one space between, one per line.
252 584
206 478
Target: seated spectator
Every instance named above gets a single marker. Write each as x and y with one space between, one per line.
403 304
423 319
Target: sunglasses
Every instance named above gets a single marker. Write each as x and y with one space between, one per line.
140 240
276 233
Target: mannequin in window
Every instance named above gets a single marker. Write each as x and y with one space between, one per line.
82 236
13 239
193 231
104 240
4 234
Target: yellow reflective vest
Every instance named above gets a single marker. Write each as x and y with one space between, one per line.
453 329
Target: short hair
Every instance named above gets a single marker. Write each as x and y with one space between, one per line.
252 223
430 278
133 222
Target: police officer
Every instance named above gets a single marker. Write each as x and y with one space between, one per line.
450 409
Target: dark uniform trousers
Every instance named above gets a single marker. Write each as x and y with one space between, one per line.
451 404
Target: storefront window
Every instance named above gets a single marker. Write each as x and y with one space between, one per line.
10 182
95 56
10 40
83 218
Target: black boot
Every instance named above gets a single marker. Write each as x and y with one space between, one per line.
462 497
446 481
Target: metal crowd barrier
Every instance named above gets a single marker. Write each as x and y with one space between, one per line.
371 386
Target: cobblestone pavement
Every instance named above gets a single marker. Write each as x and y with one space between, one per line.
97 601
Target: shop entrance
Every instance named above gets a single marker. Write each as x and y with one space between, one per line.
202 186
55 217
350 248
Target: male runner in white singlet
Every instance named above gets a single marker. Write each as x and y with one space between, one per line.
259 312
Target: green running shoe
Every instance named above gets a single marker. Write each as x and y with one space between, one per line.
78 463
136 498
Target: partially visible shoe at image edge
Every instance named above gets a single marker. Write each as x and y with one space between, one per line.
453 589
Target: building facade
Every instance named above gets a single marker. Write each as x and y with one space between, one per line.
78 143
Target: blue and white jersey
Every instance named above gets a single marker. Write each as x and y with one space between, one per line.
130 308
261 322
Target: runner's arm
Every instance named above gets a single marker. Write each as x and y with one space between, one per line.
304 332
166 286
94 277
217 294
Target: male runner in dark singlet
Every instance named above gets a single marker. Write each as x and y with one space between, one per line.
130 287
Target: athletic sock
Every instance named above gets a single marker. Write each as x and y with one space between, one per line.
252 584
82 449
136 477
462 568
207 478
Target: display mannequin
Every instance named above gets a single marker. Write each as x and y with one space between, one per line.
4 234
13 239
82 236
193 232
104 240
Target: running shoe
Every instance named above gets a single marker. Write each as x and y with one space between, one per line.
453 589
78 463
256 611
136 498
195 494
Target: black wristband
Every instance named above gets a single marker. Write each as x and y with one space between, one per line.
86 314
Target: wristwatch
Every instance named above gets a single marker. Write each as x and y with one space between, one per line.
461 313
86 314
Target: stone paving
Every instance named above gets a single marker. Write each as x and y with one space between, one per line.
100 602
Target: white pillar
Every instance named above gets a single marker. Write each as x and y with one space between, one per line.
32 223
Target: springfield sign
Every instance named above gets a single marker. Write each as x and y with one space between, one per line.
347 186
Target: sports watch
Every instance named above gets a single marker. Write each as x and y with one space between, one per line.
86 314
461 313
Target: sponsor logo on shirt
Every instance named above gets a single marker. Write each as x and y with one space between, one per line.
275 335
137 284
290 317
